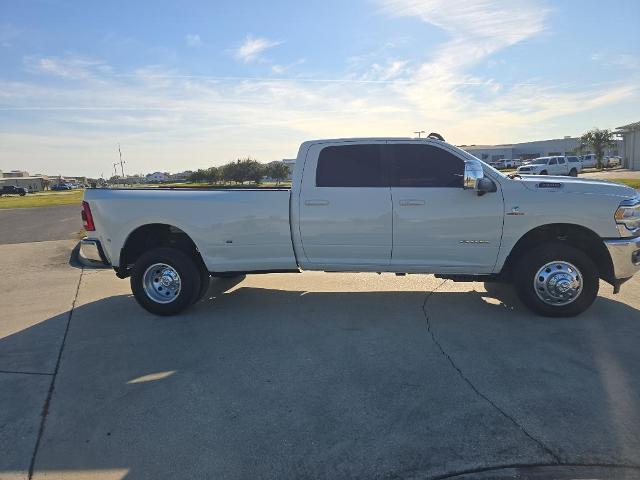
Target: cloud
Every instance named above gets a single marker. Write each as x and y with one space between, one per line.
193 40
69 67
253 47
623 60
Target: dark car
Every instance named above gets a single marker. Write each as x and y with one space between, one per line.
11 190
61 186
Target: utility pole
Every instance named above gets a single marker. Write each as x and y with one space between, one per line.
420 132
115 172
121 162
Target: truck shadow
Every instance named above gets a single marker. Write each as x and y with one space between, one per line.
258 382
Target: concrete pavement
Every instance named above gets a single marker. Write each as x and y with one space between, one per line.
19 225
319 376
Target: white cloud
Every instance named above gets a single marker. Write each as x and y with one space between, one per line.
70 67
193 40
624 60
253 47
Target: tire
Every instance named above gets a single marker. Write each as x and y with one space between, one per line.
205 281
529 274
573 172
544 172
184 292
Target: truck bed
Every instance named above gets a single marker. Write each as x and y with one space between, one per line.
234 229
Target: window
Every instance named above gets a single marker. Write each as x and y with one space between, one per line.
415 165
350 166
561 161
553 161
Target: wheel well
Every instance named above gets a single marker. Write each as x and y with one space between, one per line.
575 235
151 236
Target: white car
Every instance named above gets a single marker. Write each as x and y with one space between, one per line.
589 161
575 162
374 205
549 166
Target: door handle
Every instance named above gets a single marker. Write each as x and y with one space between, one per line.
316 203
411 203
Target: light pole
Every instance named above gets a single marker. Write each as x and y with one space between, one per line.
419 132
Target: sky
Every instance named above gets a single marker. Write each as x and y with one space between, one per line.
190 84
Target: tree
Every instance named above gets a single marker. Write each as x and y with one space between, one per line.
243 170
598 141
212 174
278 171
198 176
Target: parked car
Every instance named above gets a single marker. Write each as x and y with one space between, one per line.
589 161
61 186
610 162
509 163
549 166
12 190
374 205
575 162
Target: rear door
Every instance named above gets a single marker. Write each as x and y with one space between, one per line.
437 225
345 206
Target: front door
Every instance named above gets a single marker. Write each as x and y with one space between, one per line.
345 207
438 225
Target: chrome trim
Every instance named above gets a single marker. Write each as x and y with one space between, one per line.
91 252
622 252
558 283
473 172
623 229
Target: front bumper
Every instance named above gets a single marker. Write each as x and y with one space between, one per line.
91 252
625 256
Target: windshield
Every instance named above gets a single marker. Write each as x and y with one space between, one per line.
539 161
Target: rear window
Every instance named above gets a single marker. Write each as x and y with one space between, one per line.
350 166
415 165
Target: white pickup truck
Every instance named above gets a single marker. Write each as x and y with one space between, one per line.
551 166
375 205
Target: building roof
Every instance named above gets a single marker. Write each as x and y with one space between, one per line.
22 178
630 127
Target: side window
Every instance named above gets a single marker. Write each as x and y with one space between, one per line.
415 165
350 166
561 161
553 161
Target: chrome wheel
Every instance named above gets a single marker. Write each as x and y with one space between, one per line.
558 283
161 283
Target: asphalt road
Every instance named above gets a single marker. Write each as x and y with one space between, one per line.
310 376
20 225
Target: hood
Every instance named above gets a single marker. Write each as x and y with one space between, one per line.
576 185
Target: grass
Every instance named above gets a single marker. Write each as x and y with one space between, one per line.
632 182
42 199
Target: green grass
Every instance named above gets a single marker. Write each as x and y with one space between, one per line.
42 199
632 182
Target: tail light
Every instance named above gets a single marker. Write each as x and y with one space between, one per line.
87 218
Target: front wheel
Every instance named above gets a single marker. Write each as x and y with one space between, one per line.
556 280
165 281
573 172
544 172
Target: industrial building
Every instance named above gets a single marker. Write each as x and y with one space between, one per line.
32 184
631 145
529 150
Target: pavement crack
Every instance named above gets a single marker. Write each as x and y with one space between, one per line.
47 402
475 389
17 372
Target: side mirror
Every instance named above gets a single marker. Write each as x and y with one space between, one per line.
474 178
